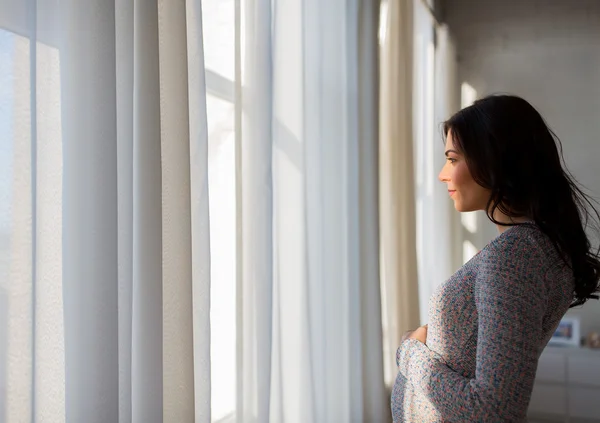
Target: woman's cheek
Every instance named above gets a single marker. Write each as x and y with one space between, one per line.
459 173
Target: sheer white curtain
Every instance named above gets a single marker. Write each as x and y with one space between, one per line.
312 348
105 243
446 240
426 142
436 99
400 283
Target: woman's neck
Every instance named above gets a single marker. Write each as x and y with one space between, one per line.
508 220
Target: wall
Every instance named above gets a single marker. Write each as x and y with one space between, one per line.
547 51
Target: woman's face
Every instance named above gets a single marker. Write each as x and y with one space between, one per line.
467 194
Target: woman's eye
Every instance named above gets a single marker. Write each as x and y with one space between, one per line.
451 160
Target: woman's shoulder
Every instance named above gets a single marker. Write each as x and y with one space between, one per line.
523 261
519 244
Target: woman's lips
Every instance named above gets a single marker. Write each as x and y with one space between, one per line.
451 192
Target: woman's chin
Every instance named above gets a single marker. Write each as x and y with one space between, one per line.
462 208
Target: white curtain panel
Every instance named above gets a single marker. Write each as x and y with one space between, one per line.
312 346
257 218
400 283
427 145
104 276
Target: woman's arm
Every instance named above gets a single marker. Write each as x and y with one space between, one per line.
511 301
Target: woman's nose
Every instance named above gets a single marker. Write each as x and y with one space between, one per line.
443 176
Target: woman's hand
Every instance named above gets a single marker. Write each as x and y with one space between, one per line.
420 334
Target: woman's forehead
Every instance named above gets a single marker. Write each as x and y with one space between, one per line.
449 142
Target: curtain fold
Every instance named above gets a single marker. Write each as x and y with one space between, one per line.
376 406
147 305
89 256
199 208
291 394
124 108
397 182
257 209
177 340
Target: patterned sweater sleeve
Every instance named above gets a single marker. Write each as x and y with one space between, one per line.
511 302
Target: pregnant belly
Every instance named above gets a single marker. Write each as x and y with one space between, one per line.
409 406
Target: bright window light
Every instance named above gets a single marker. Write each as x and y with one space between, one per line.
219 51
383 12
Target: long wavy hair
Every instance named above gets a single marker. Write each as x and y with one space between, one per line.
510 150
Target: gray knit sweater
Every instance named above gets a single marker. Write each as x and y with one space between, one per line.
488 326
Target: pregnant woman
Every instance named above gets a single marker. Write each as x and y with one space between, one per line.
476 359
